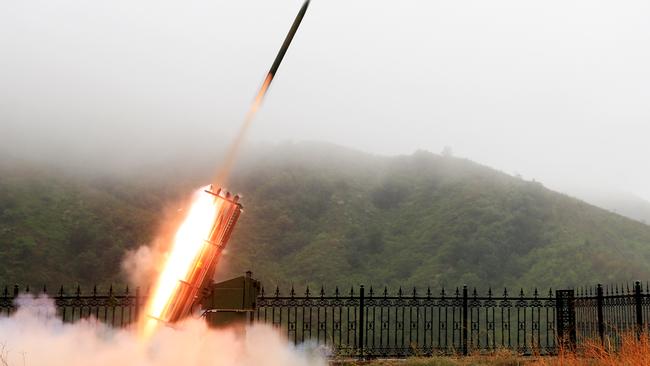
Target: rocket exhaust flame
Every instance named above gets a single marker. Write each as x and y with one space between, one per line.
194 254
205 231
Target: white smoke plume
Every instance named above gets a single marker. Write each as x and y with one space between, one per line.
34 336
141 265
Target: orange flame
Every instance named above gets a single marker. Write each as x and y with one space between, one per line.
188 241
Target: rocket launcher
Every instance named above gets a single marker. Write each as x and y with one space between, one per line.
188 289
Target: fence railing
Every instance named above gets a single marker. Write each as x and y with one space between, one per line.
364 323
115 308
406 324
608 313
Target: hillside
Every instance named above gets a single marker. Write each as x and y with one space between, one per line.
323 214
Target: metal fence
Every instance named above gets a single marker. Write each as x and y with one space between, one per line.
115 308
609 313
364 324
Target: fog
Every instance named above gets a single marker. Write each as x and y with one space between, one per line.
556 91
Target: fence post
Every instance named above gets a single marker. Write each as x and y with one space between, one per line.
565 314
464 339
638 299
362 325
601 321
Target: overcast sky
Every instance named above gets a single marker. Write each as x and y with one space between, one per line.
557 91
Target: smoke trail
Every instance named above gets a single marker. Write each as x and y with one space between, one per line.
221 178
34 336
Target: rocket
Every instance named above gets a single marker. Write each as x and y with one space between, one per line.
287 42
224 171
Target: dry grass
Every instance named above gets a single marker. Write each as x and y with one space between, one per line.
633 352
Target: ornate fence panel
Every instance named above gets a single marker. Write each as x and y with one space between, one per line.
399 325
114 308
328 320
609 313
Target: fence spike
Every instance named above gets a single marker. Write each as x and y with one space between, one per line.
535 293
457 292
44 289
351 291
505 293
646 287
521 292
550 292
322 291
16 290
370 293
428 292
6 291
261 291
336 292
110 291
293 292
628 288
490 292
385 291
415 292
79 290
277 291
27 289
474 294
399 293
307 292
61 291
442 292
126 291
95 291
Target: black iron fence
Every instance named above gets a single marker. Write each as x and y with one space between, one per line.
367 324
364 323
609 313
115 308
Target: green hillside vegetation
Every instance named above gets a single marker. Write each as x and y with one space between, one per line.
318 214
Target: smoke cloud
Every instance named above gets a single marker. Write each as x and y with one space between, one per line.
141 265
35 336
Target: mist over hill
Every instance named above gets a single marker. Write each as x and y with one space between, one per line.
626 204
321 214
